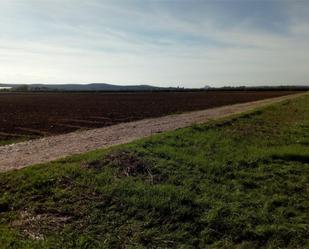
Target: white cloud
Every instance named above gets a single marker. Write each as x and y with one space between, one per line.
129 42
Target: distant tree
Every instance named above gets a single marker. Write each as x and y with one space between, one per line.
22 88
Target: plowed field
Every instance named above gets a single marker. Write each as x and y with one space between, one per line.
32 115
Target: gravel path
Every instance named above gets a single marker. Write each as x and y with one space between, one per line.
42 150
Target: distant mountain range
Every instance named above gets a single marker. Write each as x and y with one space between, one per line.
81 87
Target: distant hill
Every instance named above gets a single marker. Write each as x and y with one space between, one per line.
81 87
140 88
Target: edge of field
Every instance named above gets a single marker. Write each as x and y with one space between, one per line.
266 103
26 137
44 150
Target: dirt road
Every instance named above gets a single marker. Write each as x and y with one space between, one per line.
23 154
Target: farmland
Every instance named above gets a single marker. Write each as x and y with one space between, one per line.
32 115
239 182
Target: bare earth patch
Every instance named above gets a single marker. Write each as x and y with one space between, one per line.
34 226
46 149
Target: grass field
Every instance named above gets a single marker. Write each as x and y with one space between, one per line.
241 182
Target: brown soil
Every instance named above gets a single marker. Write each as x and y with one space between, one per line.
35 115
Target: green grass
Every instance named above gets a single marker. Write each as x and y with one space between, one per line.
240 182
6 142
17 139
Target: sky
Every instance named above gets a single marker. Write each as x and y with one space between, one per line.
187 43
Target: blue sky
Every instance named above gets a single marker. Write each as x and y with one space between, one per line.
188 43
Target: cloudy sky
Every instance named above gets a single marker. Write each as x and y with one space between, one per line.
188 43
